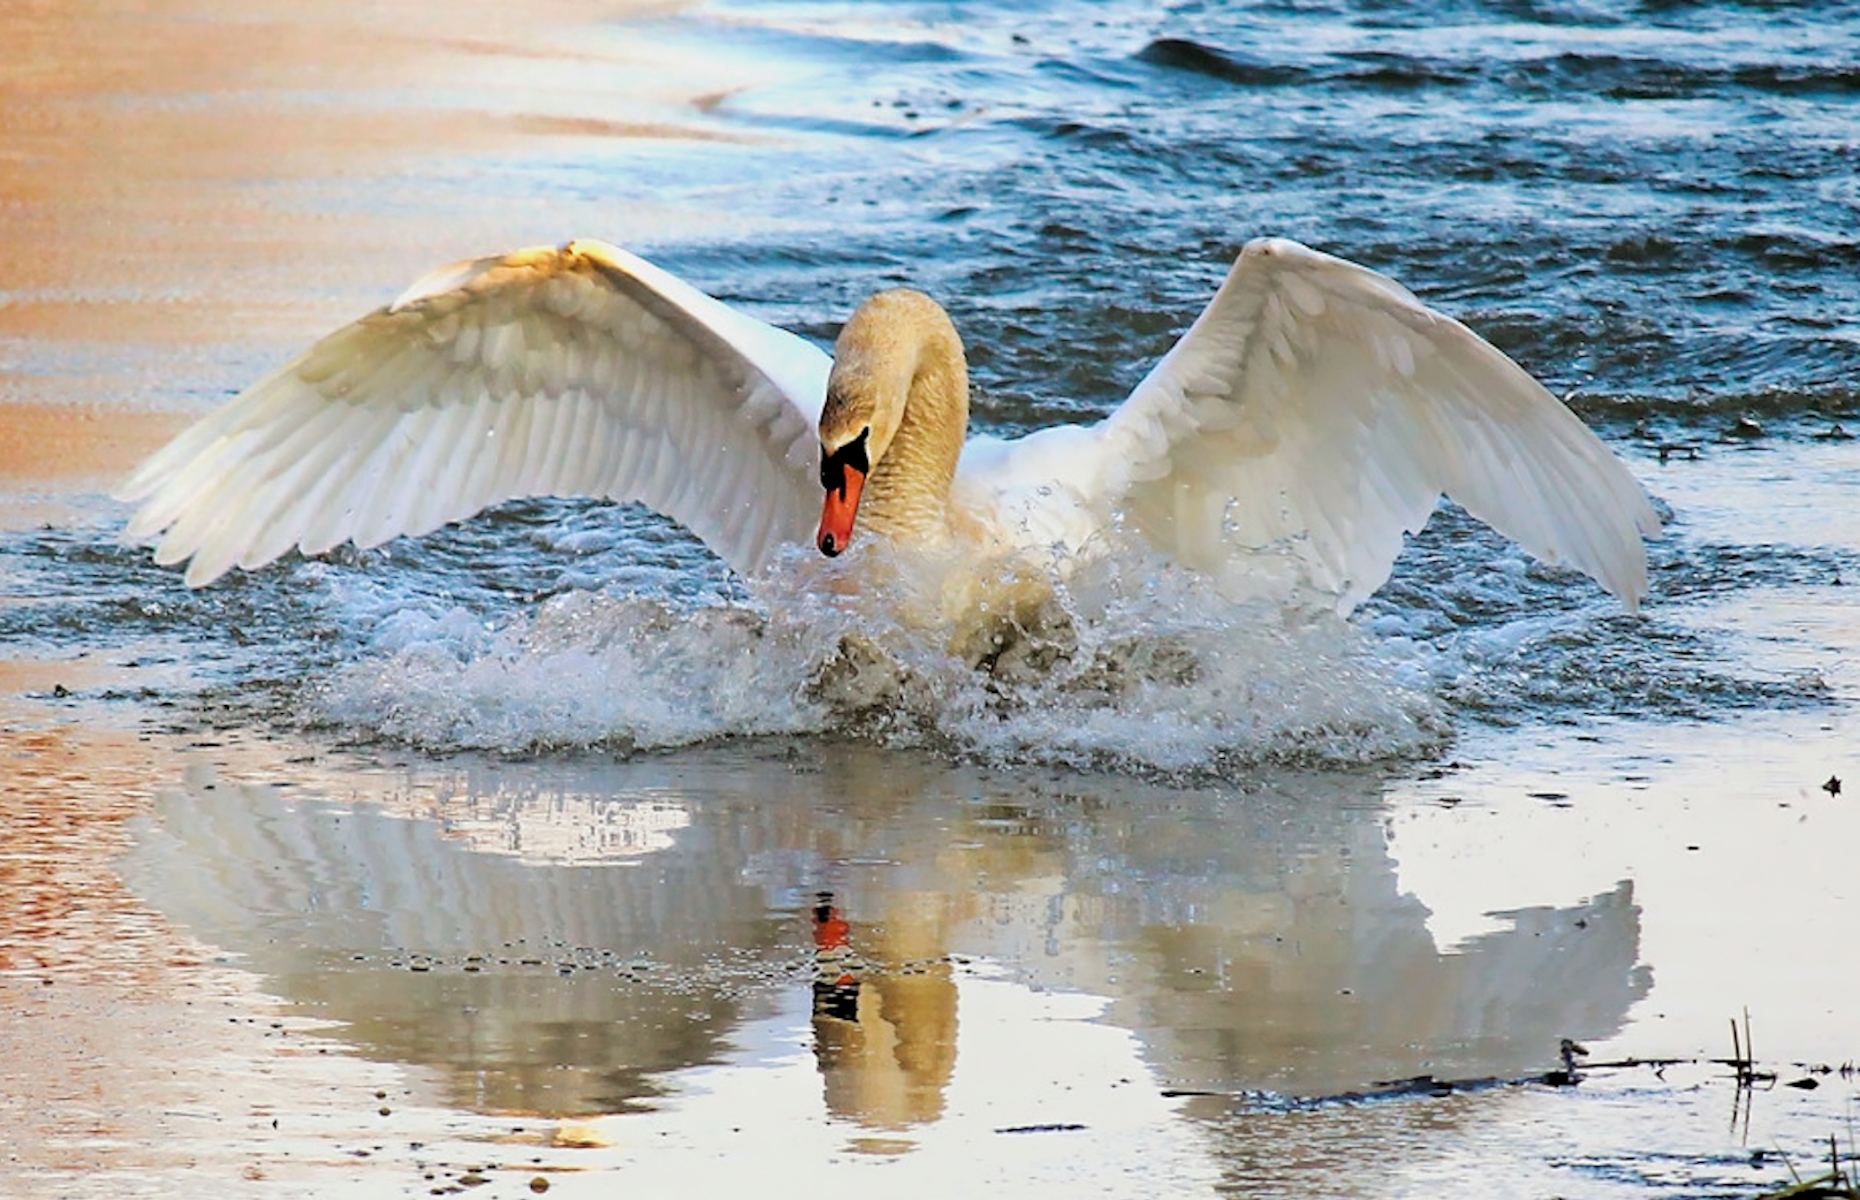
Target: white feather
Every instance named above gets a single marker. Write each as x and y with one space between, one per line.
1318 403
487 379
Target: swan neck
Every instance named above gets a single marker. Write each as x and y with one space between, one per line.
908 493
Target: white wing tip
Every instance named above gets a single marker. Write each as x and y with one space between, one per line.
201 573
1267 247
448 278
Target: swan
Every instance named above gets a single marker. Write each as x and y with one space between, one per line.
1314 409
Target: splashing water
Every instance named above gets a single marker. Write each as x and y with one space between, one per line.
1125 664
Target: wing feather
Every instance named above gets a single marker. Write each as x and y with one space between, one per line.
1319 406
582 370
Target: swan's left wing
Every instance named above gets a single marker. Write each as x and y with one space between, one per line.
1317 406
581 370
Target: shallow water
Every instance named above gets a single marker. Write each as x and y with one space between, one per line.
537 810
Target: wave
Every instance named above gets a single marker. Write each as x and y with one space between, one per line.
1573 73
1700 416
551 626
1182 54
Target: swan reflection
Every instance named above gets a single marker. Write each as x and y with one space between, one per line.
560 827
885 1040
1249 939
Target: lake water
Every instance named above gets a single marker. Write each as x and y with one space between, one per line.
554 821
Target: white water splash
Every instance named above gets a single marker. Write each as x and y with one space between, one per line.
1137 666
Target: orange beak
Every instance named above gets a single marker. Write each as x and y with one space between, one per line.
836 515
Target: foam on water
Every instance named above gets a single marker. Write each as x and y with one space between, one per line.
1131 665
567 624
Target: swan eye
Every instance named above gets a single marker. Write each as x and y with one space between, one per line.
833 465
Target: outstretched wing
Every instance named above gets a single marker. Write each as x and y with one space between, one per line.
1318 406
582 370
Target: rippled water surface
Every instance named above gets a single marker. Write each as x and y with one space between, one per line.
1149 907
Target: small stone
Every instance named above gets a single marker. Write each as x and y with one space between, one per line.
539 1185
1833 786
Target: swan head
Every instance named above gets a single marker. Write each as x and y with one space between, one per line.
875 365
843 472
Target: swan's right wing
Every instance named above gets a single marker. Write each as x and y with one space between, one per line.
1317 406
580 370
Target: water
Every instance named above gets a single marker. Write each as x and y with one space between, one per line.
1246 852
1651 210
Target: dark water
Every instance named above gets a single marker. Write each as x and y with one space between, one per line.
1646 204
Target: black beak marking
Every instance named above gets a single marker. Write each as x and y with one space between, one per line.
833 465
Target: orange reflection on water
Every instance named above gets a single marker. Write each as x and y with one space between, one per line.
167 172
65 794
884 1038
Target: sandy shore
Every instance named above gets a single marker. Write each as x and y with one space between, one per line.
161 171
134 1059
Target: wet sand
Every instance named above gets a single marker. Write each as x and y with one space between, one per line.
124 1051
135 1059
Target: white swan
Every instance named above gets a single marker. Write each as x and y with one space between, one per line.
1315 407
